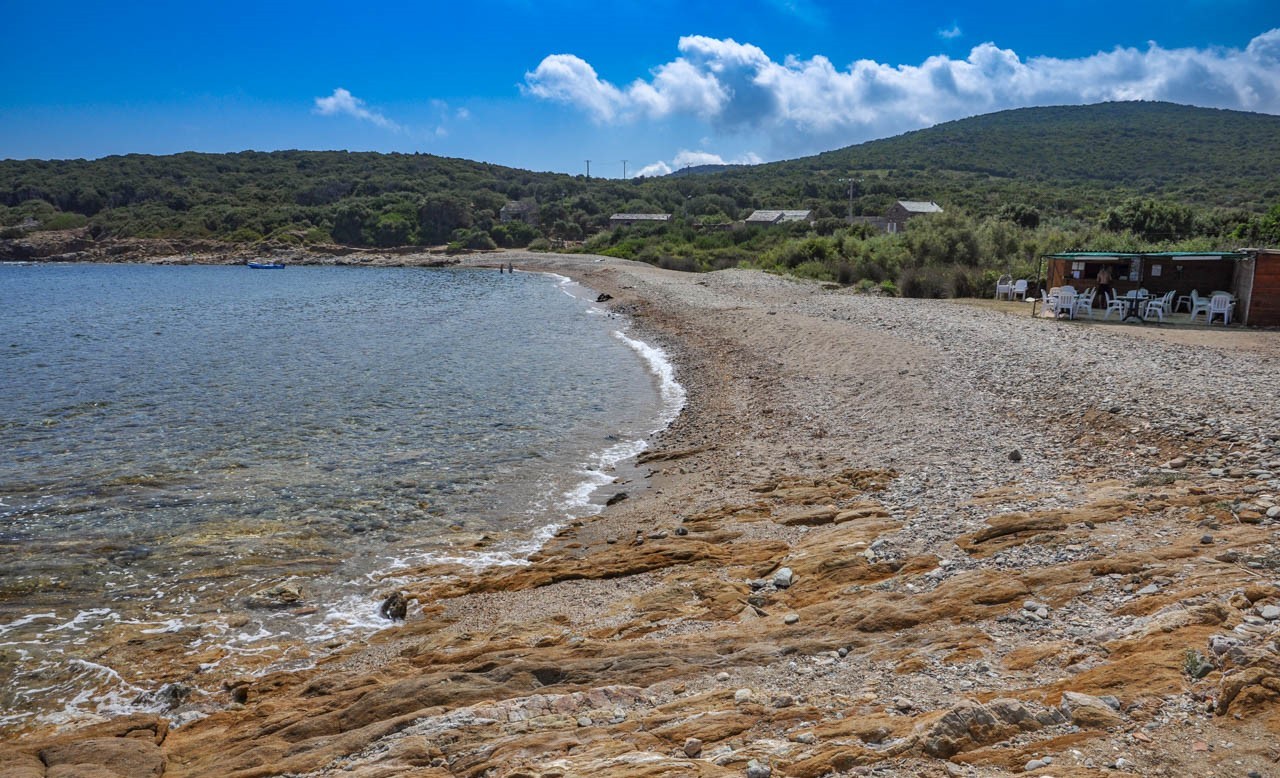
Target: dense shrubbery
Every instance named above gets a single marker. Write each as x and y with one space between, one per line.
1016 185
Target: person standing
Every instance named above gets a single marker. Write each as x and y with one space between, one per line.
1104 287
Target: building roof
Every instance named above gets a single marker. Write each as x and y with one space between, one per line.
640 217
516 206
1120 256
777 216
920 206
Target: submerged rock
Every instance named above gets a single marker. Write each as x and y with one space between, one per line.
278 596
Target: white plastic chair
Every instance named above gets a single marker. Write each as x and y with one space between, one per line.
1220 305
1004 287
1019 290
1188 299
1199 305
1066 302
1084 302
1158 306
1050 298
1115 303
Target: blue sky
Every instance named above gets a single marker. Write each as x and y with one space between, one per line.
547 85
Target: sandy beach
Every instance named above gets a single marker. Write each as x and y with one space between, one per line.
886 536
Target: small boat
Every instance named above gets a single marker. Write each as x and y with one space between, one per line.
267 265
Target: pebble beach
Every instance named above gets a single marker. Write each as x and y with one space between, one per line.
885 536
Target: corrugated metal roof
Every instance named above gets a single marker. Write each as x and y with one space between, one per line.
779 215
655 217
920 206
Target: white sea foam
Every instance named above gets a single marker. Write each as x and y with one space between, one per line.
673 393
83 618
30 618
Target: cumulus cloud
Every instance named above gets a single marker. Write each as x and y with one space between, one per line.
953 32
687 158
342 102
802 105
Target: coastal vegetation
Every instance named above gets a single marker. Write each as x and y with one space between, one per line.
1015 185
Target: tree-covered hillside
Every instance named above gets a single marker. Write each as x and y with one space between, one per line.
1065 161
1013 184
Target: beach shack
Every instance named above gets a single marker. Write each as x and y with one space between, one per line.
1252 275
1264 289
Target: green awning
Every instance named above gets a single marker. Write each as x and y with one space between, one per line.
1119 256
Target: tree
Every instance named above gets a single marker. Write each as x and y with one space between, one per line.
392 229
1152 220
439 216
348 224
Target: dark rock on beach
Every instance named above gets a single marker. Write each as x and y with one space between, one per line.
395 607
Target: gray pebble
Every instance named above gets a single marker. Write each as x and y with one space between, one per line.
757 770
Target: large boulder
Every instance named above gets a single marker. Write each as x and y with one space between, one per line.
972 724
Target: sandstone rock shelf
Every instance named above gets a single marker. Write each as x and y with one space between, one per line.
1103 603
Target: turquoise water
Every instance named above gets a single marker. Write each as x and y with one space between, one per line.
177 438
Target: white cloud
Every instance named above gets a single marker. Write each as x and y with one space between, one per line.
952 33
343 102
565 78
802 105
686 158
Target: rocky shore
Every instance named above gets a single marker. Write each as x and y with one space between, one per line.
886 537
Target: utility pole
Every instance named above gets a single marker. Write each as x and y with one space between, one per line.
588 168
850 182
624 170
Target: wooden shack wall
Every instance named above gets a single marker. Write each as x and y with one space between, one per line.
1204 276
1264 302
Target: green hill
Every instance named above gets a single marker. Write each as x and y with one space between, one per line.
1167 172
1068 160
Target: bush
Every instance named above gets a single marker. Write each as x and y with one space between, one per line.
316 235
513 234
828 226
966 282
888 288
65 221
245 235
818 271
539 244
924 282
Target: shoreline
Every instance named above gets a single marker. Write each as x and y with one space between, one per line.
580 492
990 562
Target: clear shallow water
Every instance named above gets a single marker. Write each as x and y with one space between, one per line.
176 438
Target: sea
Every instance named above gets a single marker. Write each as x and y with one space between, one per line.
213 471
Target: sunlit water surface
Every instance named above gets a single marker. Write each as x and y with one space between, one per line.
176 439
